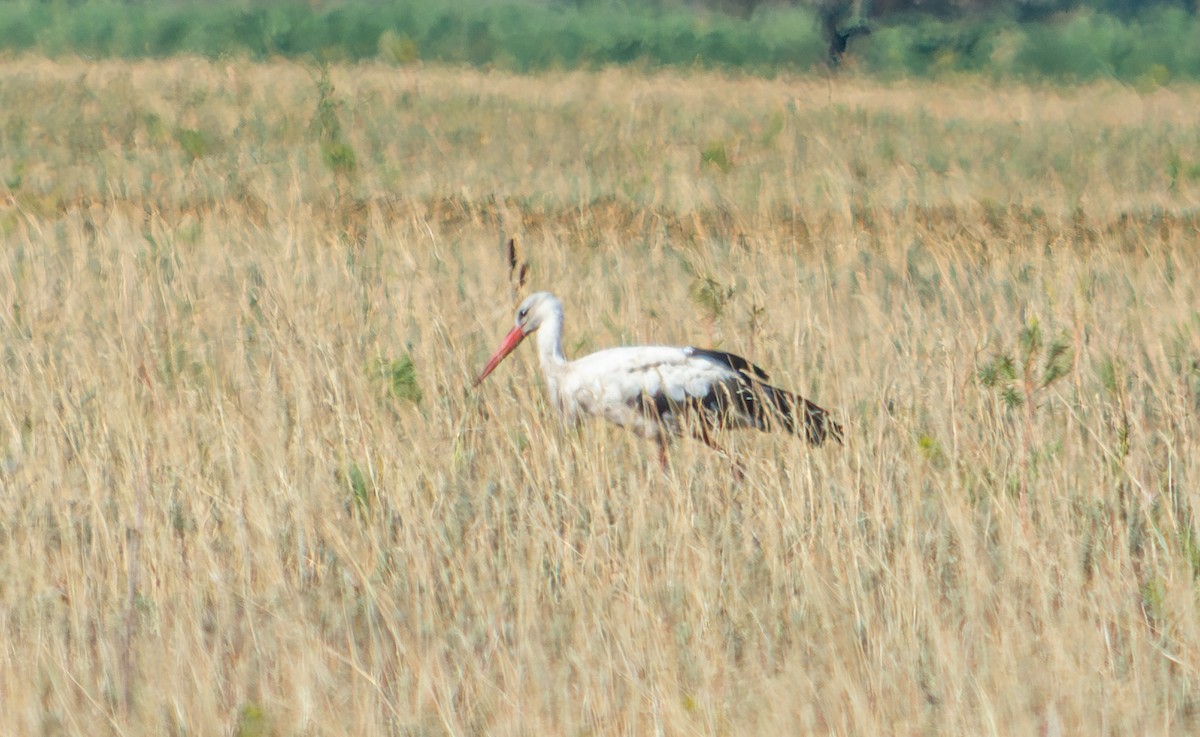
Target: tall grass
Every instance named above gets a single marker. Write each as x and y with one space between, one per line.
247 490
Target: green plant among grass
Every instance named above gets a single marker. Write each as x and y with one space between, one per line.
711 297
397 49
16 176
1180 170
359 493
931 449
1020 376
339 157
715 155
195 143
336 153
1113 378
252 721
326 124
399 377
1153 593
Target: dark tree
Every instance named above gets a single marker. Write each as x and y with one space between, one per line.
841 20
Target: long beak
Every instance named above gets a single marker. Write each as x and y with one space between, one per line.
511 341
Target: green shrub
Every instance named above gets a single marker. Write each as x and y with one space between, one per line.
1158 45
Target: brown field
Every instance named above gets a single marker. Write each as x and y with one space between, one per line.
246 489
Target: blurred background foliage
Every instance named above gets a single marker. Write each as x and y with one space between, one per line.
1145 42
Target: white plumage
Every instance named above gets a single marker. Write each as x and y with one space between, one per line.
658 391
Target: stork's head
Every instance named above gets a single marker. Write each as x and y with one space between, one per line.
536 309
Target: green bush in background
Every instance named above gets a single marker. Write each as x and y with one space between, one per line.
1160 44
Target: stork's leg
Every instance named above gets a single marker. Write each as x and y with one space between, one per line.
662 453
739 472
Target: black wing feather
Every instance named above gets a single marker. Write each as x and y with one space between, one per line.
737 363
781 406
748 396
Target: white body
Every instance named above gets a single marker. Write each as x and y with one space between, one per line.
613 383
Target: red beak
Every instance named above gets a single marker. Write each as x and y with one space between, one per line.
511 341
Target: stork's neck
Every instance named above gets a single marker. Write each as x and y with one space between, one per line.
549 343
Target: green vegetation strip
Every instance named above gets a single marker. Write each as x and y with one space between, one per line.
1156 46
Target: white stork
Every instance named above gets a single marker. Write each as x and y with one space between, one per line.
659 391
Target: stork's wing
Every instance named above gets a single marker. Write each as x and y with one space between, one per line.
737 363
744 399
674 384
629 375
754 402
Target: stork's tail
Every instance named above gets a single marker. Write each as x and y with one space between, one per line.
819 426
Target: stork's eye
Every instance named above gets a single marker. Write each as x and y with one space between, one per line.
522 313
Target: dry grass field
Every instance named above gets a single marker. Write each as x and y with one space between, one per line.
246 488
